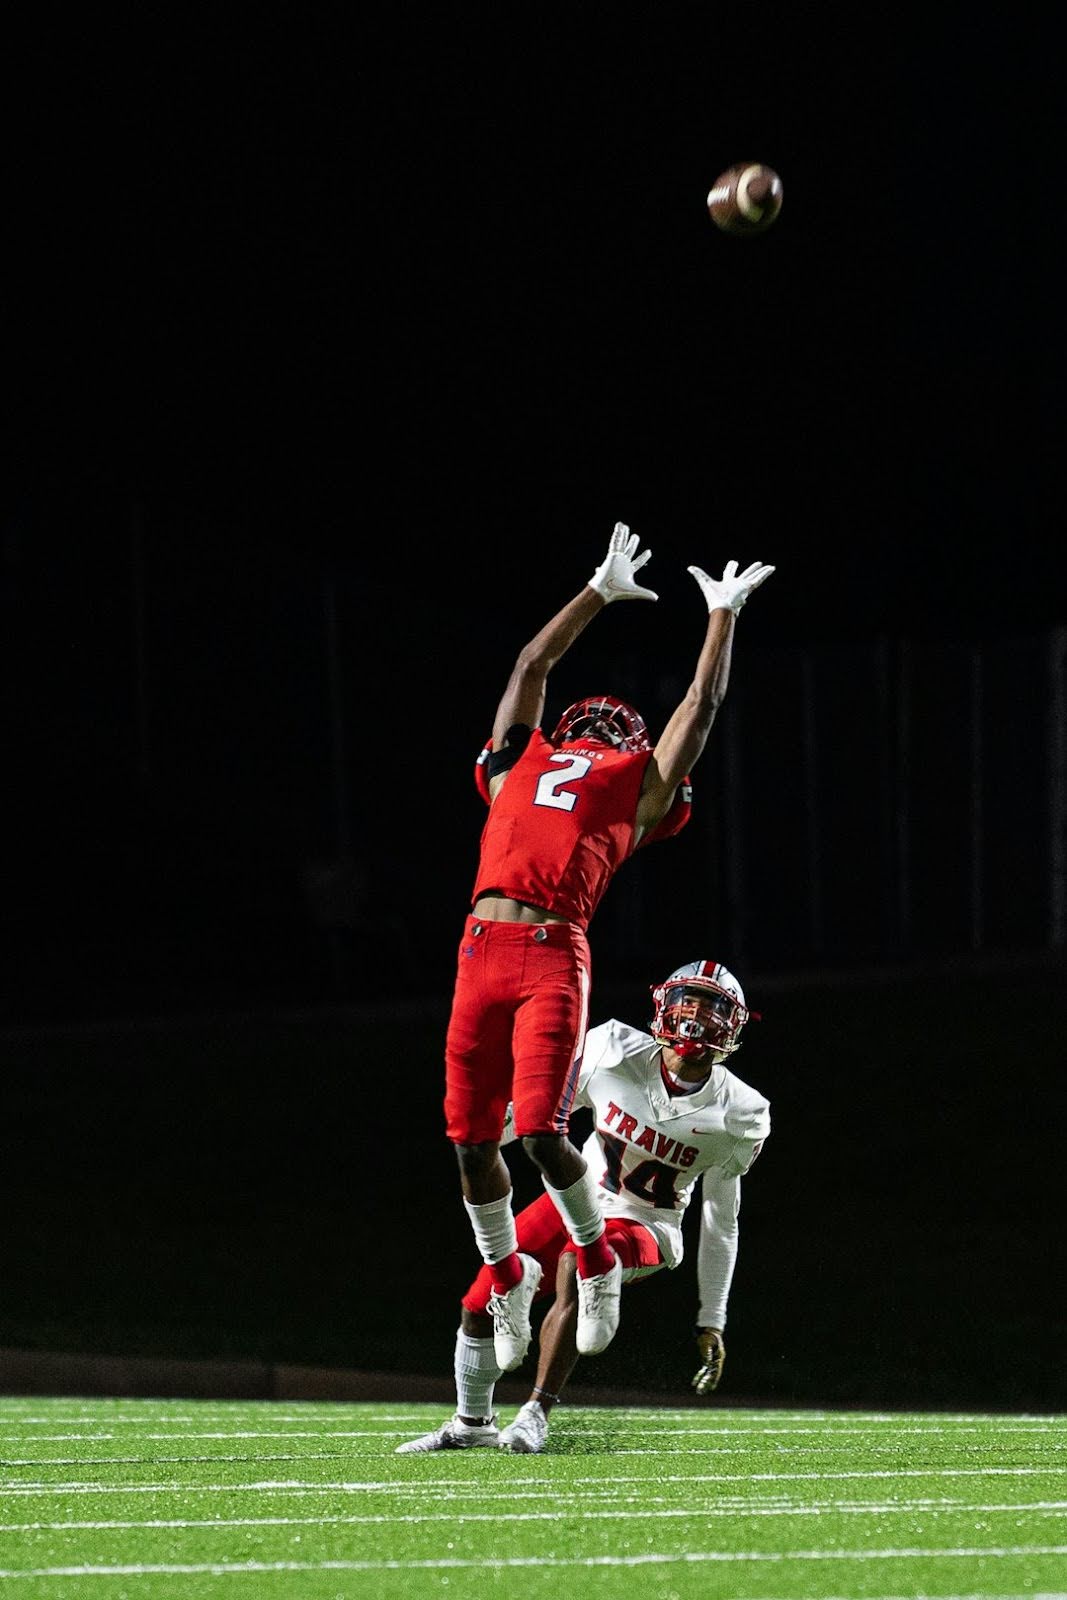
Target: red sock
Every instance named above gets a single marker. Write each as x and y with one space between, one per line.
595 1259
506 1273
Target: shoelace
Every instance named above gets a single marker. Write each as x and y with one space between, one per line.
503 1314
597 1290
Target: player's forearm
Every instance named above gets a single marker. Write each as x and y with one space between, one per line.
557 636
614 579
712 675
717 1248
683 739
716 1261
725 597
523 699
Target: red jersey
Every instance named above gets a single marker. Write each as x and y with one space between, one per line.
562 824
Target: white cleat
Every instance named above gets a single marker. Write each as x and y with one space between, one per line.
511 1316
455 1434
527 1434
598 1310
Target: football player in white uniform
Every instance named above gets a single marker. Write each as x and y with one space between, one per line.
666 1111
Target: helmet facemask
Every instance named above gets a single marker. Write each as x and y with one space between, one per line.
697 1016
605 719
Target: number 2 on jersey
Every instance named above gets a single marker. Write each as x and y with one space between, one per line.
550 791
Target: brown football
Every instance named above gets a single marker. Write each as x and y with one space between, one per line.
746 198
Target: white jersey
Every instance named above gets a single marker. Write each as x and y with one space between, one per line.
649 1147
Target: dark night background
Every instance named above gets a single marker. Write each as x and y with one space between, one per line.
333 348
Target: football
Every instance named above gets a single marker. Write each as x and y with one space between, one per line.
746 198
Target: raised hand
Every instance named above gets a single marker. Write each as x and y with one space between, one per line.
614 578
731 590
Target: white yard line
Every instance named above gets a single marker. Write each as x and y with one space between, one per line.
994 1447
175 1435
459 1489
171 1437
172 1461
730 1421
739 1420
903 1508
454 1563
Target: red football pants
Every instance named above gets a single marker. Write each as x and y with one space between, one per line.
520 1008
542 1234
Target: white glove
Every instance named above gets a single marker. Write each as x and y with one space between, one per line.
731 590
614 578
509 1135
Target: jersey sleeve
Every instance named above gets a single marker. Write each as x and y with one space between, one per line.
717 1246
481 770
676 818
750 1126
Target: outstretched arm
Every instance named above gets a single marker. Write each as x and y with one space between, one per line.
716 1259
686 734
523 700
717 1246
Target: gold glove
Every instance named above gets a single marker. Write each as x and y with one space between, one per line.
713 1359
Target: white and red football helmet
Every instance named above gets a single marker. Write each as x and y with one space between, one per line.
700 1007
605 718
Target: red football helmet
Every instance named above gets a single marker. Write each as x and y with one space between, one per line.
700 1007
604 718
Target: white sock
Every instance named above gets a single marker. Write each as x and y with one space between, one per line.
494 1228
579 1208
476 1374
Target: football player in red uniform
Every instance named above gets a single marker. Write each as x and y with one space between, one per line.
565 811
666 1113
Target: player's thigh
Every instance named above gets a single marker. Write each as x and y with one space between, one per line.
635 1247
550 1027
478 1060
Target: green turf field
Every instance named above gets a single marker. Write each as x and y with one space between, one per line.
140 1499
